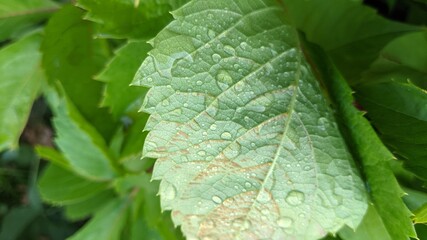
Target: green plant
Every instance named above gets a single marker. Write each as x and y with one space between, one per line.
253 128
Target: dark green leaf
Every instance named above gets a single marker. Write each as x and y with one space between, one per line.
119 73
83 209
72 57
18 15
368 149
353 34
127 18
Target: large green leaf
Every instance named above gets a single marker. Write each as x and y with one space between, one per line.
127 18
72 56
19 86
368 149
353 34
17 16
118 74
247 147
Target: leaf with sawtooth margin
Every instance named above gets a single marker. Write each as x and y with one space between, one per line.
246 145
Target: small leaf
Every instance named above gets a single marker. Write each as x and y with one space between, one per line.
82 146
107 224
246 144
18 16
62 187
421 215
122 18
19 86
118 74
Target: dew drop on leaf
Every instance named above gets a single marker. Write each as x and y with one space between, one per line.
226 135
216 199
213 127
170 192
295 197
216 57
284 222
263 196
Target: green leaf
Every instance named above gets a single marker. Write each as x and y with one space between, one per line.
129 19
368 149
63 187
246 144
358 32
107 224
83 209
421 215
19 86
118 74
80 143
393 92
18 16
72 56
372 228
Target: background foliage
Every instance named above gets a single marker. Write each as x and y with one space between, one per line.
70 129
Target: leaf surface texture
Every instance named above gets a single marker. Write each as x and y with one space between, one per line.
245 143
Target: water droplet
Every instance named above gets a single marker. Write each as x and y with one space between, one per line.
226 135
247 119
257 108
229 49
199 82
149 79
253 144
165 102
295 197
216 57
248 184
169 192
239 87
233 151
244 45
213 127
284 222
208 223
306 168
241 223
185 104
216 199
263 196
211 34
224 79
201 153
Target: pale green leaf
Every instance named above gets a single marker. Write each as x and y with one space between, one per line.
127 18
17 16
81 145
19 86
247 147
368 149
118 74
63 187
